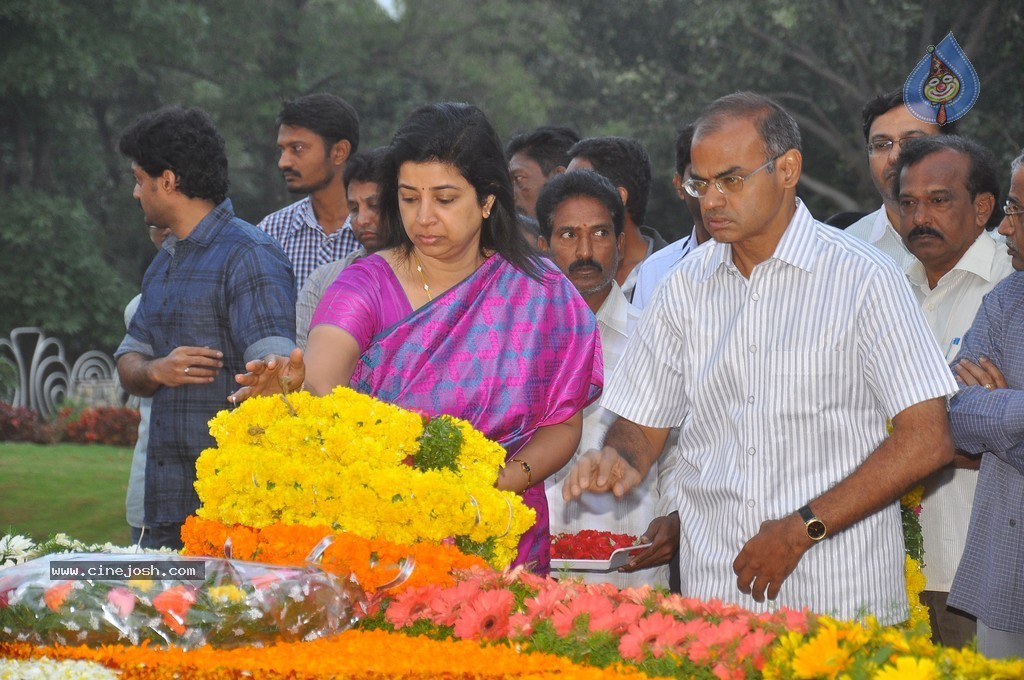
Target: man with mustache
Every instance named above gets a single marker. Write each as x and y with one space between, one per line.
316 135
627 164
581 220
888 123
362 182
947 191
780 349
986 418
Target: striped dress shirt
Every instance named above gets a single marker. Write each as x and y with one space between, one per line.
304 241
781 385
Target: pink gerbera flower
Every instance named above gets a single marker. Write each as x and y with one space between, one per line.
655 633
445 604
410 605
620 620
486 617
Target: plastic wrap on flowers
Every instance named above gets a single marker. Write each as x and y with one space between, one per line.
97 599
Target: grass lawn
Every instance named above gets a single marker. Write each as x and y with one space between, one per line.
77 489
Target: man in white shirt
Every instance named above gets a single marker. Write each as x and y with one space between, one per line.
626 163
779 350
887 124
581 220
947 190
652 271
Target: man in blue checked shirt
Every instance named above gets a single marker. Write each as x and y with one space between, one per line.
218 294
317 134
987 417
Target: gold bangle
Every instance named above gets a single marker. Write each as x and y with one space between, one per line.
526 468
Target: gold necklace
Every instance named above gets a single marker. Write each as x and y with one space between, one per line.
423 277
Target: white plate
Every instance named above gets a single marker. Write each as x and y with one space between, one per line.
617 559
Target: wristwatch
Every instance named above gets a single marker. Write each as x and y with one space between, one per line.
816 529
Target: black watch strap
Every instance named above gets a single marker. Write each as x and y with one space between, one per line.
816 529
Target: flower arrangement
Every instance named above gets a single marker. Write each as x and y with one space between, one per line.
355 464
589 544
187 602
374 562
910 509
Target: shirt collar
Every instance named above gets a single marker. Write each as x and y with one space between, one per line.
978 260
797 246
211 225
614 313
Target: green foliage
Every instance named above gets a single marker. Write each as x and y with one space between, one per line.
74 73
54 276
440 445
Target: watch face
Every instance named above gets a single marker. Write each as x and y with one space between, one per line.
816 529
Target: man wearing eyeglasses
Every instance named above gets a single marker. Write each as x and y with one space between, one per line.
986 418
779 350
888 123
947 190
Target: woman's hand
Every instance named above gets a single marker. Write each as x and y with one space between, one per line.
272 374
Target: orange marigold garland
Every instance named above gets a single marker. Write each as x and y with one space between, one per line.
374 562
352 654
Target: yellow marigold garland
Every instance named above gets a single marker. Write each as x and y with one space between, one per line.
342 461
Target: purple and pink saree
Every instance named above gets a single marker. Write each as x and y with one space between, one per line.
501 350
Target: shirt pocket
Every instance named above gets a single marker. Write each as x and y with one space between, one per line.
811 387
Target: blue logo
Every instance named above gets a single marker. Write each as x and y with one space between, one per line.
943 86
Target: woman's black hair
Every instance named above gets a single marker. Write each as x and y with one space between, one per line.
458 135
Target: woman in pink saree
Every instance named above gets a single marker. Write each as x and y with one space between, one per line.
458 315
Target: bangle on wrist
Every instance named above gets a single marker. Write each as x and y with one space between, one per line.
526 468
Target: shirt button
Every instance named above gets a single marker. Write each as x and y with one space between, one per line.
752 348
1013 522
750 399
755 297
931 308
751 451
750 503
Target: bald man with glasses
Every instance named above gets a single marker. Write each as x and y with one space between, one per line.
780 349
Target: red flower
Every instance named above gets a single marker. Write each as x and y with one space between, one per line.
174 604
589 544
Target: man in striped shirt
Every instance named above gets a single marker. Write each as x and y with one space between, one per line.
779 351
316 135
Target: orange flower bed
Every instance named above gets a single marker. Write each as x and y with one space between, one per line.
353 654
374 562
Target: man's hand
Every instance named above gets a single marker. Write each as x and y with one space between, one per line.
600 471
768 558
663 535
186 366
983 373
272 374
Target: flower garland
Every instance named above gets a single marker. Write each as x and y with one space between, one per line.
363 655
356 464
373 562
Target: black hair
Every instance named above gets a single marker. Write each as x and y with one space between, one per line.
365 166
329 116
547 145
982 172
626 163
778 130
884 103
459 135
684 140
184 141
578 183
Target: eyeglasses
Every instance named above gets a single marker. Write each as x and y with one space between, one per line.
733 184
884 146
1013 213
